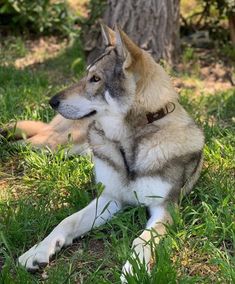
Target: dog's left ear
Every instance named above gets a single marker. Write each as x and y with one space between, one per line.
108 35
126 48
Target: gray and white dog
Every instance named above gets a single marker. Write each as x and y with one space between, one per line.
144 143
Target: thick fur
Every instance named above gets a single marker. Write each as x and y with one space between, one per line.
139 162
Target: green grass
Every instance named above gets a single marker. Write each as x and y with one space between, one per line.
38 189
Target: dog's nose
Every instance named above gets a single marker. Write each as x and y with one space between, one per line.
54 102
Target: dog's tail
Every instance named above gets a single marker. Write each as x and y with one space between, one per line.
22 129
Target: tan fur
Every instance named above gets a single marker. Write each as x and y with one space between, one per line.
59 131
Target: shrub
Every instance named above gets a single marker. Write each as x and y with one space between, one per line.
38 16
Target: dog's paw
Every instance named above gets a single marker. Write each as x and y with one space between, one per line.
39 255
35 258
127 269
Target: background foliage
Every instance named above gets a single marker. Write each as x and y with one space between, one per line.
38 17
49 17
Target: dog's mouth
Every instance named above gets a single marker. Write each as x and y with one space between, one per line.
74 117
89 114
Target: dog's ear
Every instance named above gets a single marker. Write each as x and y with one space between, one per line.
126 48
108 35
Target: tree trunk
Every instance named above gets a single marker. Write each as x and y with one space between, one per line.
152 24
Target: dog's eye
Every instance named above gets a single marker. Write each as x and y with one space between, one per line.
94 79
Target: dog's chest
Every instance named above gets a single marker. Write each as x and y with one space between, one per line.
120 185
115 167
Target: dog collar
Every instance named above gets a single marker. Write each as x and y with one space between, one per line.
153 116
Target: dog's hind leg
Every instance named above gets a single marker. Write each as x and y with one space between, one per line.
95 214
144 245
23 129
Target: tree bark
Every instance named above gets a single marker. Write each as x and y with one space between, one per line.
152 24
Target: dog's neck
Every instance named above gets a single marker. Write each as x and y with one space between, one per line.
114 127
118 127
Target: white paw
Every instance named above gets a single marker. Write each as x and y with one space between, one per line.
39 255
127 269
34 258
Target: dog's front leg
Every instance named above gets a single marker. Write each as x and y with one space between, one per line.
95 214
144 245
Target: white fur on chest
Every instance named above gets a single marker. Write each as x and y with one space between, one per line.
142 191
113 122
113 127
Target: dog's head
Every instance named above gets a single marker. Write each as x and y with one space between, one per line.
112 82
109 85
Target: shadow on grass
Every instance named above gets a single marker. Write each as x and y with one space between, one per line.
24 93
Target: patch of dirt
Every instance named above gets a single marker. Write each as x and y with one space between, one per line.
80 6
208 85
3 184
196 263
88 252
40 50
94 248
208 74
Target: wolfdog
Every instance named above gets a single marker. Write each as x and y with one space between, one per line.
144 145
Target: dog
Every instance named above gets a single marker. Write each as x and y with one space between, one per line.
147 150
